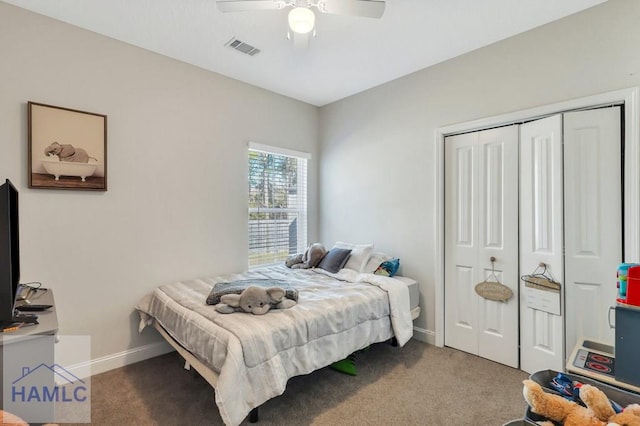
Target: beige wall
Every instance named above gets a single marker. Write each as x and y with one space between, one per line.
176 149
378 147
176 201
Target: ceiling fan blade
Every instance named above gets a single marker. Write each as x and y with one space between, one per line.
366 8
247 5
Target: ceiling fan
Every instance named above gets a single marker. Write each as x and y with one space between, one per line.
301 17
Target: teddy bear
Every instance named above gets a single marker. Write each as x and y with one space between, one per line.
309 259
255 300
598 410
9 419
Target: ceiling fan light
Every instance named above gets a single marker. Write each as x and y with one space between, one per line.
301 20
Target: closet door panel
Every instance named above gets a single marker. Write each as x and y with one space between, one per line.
541 230
498 224
461 242
593 217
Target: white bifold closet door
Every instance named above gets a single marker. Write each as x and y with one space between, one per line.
593 222
541 238
570 220
481 221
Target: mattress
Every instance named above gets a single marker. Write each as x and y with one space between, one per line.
414 291
335 316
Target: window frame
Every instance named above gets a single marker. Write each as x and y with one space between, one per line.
301 210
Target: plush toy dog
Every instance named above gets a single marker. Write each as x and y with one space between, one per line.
310 259
598 411
255 300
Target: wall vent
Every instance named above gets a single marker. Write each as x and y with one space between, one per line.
243 47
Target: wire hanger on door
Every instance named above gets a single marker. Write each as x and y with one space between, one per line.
541 278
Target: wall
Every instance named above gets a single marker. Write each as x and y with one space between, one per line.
176 201
378 147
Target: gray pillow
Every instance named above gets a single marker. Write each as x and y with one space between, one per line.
334 260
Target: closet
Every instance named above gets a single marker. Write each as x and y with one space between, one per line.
481 205
543 195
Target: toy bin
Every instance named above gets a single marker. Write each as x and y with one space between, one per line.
516 422
544 377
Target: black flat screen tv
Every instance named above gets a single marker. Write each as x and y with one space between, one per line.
9 251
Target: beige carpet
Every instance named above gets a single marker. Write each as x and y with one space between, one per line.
418 384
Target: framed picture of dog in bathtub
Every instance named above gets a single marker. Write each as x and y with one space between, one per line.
67 148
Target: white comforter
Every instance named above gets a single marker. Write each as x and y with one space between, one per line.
255 356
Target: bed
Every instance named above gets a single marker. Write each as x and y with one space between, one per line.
248 359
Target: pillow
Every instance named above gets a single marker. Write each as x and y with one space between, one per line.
359 257
374 261
388 268
334 260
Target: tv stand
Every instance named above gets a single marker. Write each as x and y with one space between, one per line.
28 346
17 322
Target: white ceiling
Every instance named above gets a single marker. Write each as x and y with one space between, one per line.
349 54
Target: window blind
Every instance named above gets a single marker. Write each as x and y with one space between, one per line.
277 204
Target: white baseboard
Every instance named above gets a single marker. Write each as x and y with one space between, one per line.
423 335
120 359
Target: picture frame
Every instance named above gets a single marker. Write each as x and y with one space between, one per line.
67 148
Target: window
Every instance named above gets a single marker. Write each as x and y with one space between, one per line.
277 204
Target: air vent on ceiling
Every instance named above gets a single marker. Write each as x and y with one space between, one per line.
243 47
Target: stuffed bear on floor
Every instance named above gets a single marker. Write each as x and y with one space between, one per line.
8 419
598 410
